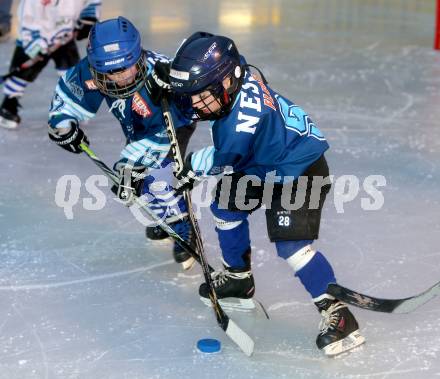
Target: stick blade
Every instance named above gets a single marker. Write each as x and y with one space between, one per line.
415 302
404 305
362 301
240 337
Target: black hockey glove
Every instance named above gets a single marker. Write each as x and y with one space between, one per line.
70 140
131 180
83 27
186 177
158 81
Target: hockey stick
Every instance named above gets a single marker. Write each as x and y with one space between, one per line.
24 66
245 343
30 62
115 179
375 304
232 330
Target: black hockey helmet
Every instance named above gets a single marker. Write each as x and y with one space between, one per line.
201 66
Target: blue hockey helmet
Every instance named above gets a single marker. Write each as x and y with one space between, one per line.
206 76
116 58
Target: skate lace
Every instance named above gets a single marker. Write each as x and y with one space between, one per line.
330 317
219 278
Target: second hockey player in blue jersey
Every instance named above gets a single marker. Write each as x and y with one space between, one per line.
270 143
118 71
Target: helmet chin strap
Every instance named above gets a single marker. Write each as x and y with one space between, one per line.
263 78
226 97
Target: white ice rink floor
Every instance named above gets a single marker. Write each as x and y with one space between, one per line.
90 298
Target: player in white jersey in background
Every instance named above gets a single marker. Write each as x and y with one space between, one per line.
48 30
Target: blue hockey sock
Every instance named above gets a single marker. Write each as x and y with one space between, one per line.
234 243
313 269
184 230
233 234
285 248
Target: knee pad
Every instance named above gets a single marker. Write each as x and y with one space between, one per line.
301 258
226 215
285 249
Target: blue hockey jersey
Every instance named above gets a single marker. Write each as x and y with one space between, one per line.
77 98
264 133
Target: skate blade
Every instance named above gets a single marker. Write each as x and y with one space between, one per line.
7 124
188 264
233 303
348 343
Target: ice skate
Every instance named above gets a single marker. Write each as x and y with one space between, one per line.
339 330
9 118
179 254
156 233
182 257
234 288
183 228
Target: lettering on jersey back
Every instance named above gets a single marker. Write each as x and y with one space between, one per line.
247 124
250 102
268 100
247 101
140 106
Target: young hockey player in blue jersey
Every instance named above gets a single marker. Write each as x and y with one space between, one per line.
118 71
260 135
48 30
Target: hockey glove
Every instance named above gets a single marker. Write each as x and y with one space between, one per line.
131 180
158 81
37 46
186 177
70 139
83 27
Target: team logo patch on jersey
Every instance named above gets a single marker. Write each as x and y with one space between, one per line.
90 84
75 89
140 106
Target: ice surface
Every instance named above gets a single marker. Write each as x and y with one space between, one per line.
91 298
